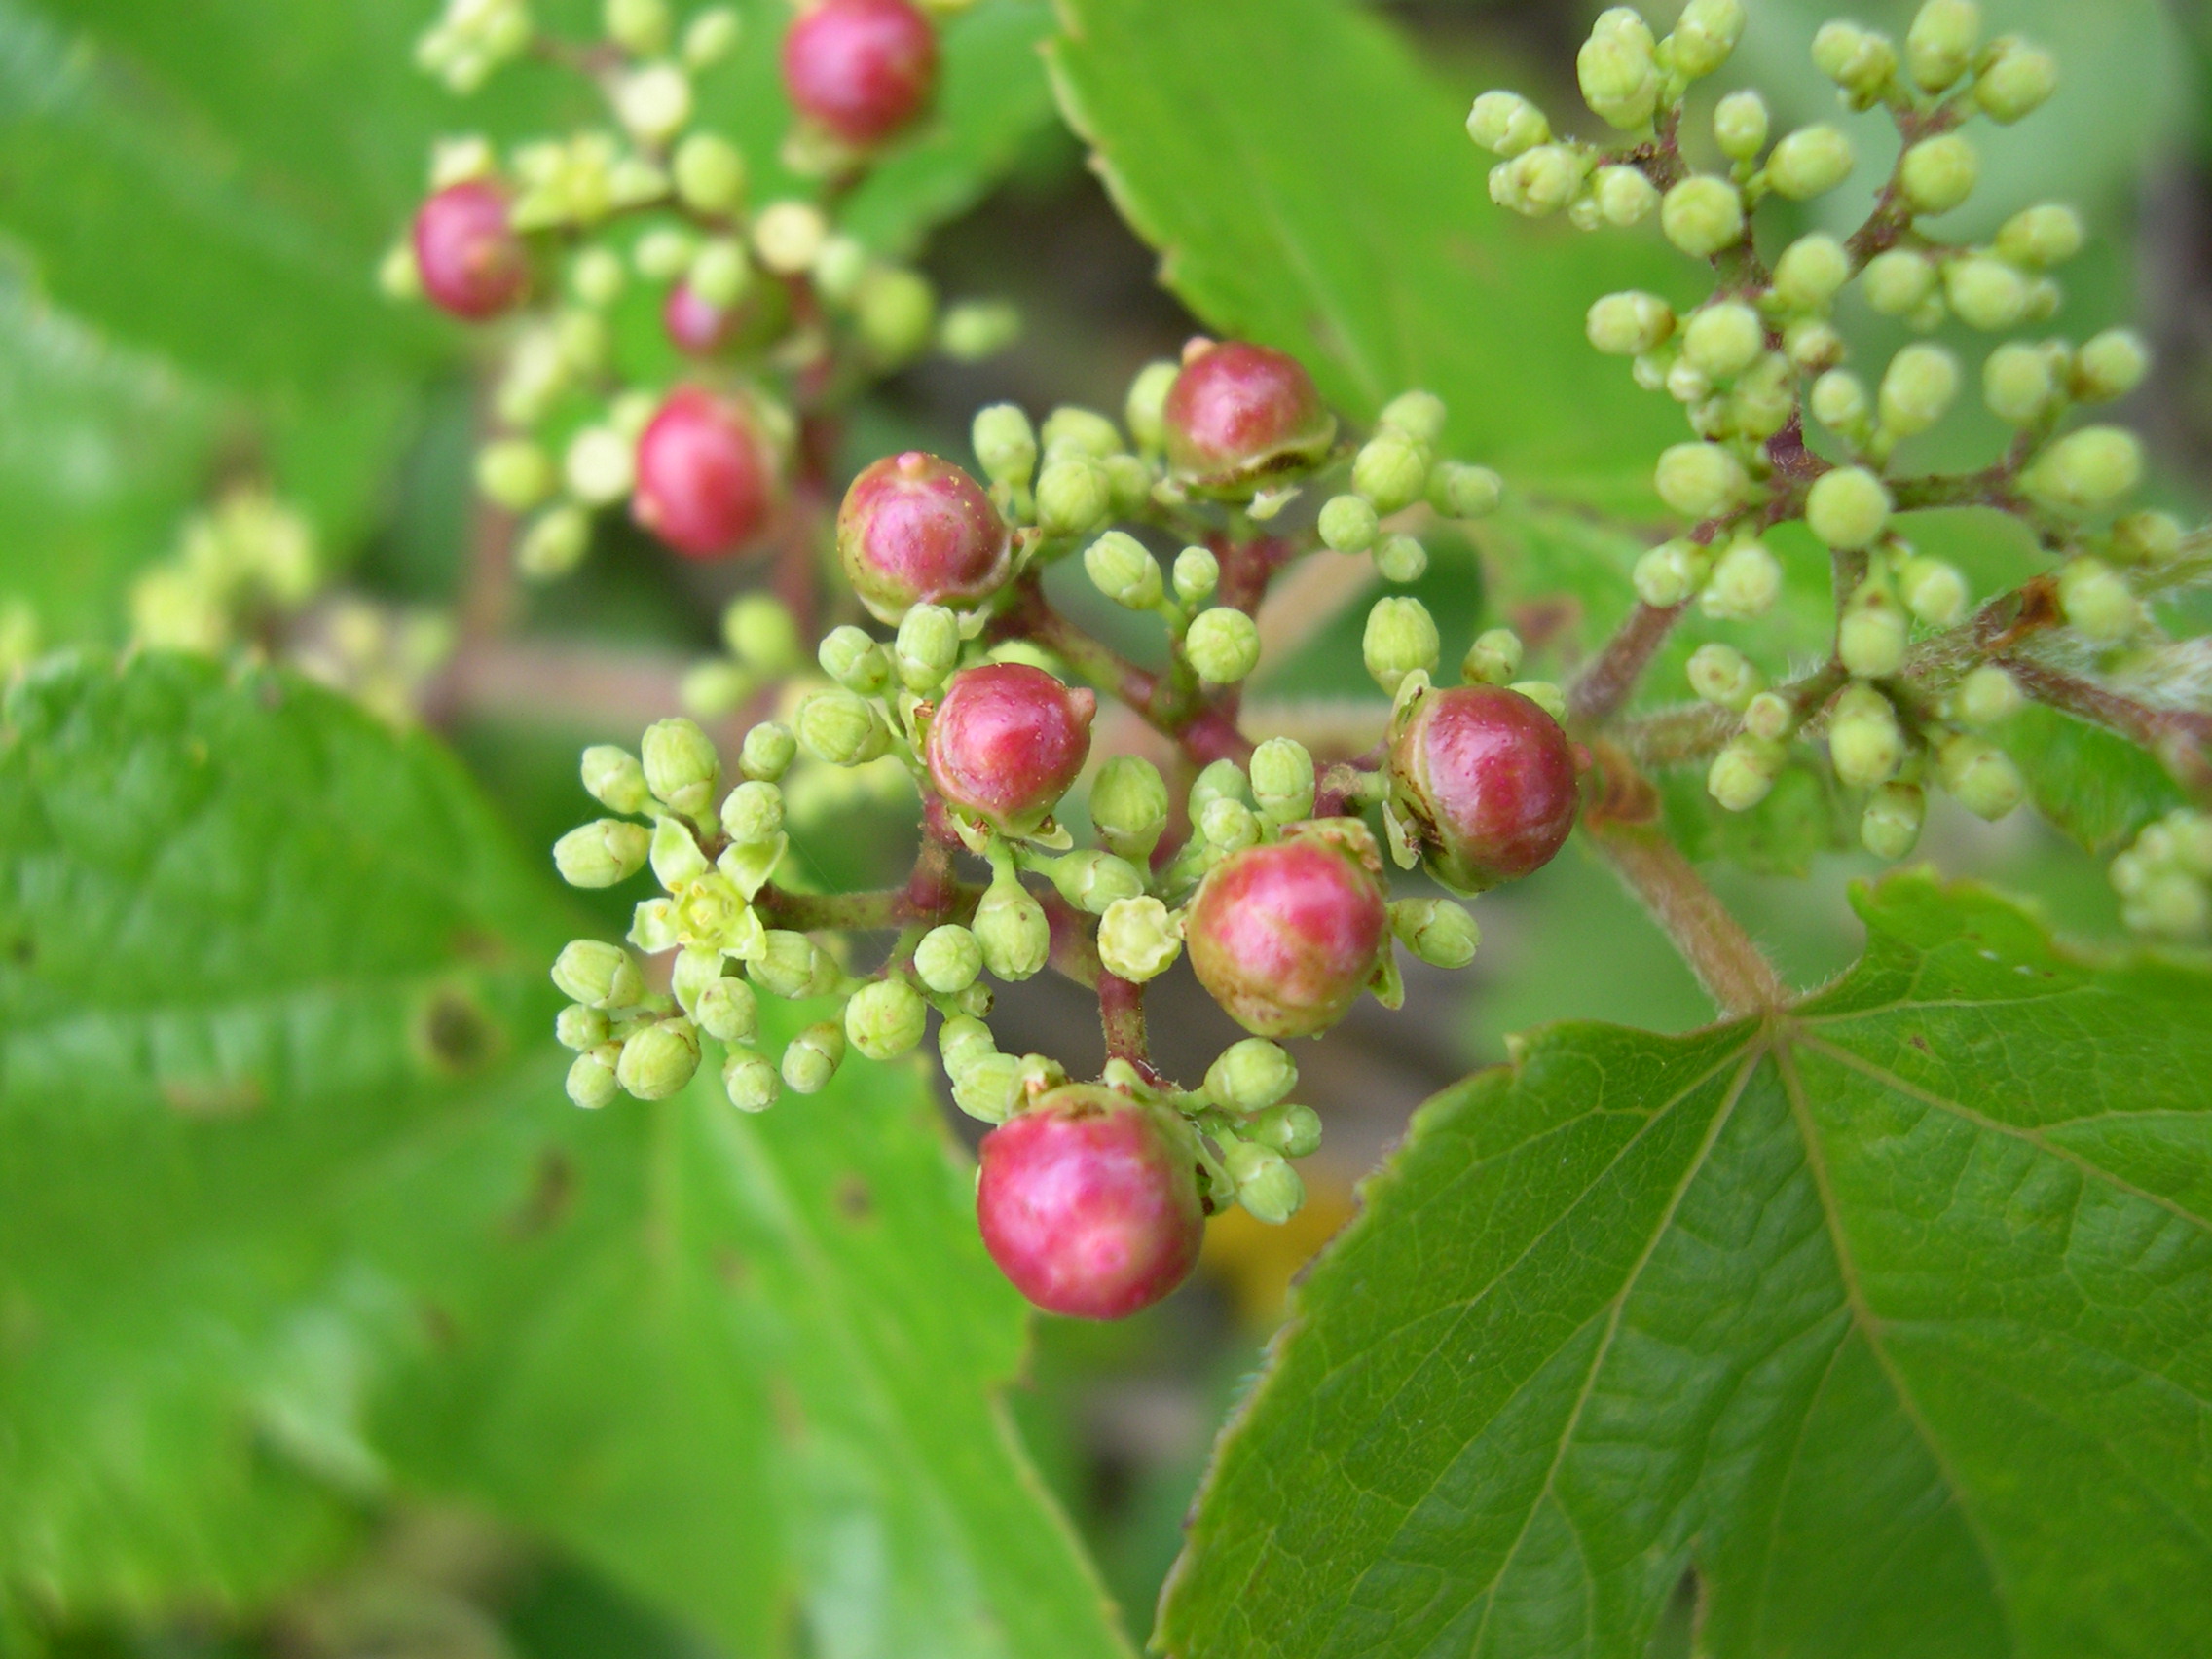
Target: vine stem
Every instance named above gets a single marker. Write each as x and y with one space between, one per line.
1121 1015
2178 739
1605 685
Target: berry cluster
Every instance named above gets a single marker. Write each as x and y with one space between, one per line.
1783 432
768 316
2164 880
1261 864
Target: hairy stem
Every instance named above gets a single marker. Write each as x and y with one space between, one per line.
2181 741
1727 962
1611 677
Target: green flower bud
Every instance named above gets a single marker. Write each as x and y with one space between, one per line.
949 959
1741 774
1619 79
1739 125
1934 591
2016 79
768 752
2097 600
2110 365
1858 60
1070 429
1092 880
1228 826
1010 929
579 1027
1138 939
1744 585
613 777
842 728
1890 823
1704 36
554 545
1250 1076
895 311
975 329
989 1088
680 765
927 648
1144 410
1979 776
1725 340
962 1041
1546 695
663 255
760 632
1939 46
2041 237
1390 470
598 468
1507 124
1702 215
1457 490
659 1060
1872 638
1865 744
1347 524
592 1083
1222 645
1004 444
2017 382
1400 639
885 1019
1848 507
1899 281
1128 806
2171 903
1493 659
727 1010
1719 674
1283 780
711 37
1939 174
1769 718
1437 930
1624 195
1918 389
1670 573
602 853
639 27
599 975
1985 697
1700 481
1987 294
813 1057
853 661
1120 568
514 474
1416 415
720 273
788 965
1811 271
2147 537
1810 161
710 173
1267 1186
1401 557
1074 495
2085 469
1840 401
1539 182
750 1082
1197 574
753 813
1292 1129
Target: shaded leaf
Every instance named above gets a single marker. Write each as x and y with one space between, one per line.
2094 784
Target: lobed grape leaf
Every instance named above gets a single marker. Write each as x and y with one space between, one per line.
295 1220
1883 1319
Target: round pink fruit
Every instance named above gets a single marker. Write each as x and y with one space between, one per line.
913 530
862 69
466 253
706 481
1238 413
1286 935
1007 741
1489 781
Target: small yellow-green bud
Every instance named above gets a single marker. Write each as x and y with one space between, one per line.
1810 161
2016 79
1769 718
599 975
1493 659
592 1083
1741 774
1222 645
1507 124
1979 776
1073 496
987 1090
1283 780
659 1060
1250 1076
1840 401
1623 196
711 688
1985 697
1143 409
2017 382
789 965
1391 470
949 959
853 661
1197 574
1218 780
596 276
1120 568
602 853
1704 34
1292 1129
1010 929
1004 444
709 173
896 310
1436 931
662 255
638 27
1092 880
613 777
2097 600
1939 174
2085 469
961 1042
975 329
927 647
1670 573
1811 271
720 273
2041 237
1619 79
514 474
1347 524
1848 507
1700 480
1871 637
1932 590
1725 340
750 1082
1546 695
1401 557
1745 583
598 466
1719 674
1539 181
1939 46
814 1056
840 265
1813 345
842 728
760 632
1228 826
1128 806
1899 281
728 1011
555 543
680 765
1739 125
886 1018
711 37
1138 939
1865 744
1457 490
2147 537
1400 638
1267 1187
1702 215
1891 824
1860 60
768 752
1417 415
1071 429
1918 388
753 813
1627 324
2110 365
1987 294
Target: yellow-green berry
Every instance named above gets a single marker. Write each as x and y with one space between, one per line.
1918 389
1939 174
1222 644
1809 161
1739 125
2016 79
1700 480
2085 469
1979 776
2110 365
1702 215
2017 384
1848 507
1889 825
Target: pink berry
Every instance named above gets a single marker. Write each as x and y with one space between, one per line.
860 68
1238 413
470 261
1286 935
915 530
1089 1202
706 481
1489 781
1007 741
695 326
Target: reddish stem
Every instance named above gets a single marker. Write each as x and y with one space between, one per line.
1121 1014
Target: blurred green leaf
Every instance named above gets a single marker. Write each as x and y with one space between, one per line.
293 1217
1804 815
1309 184
2095 786
1884 1316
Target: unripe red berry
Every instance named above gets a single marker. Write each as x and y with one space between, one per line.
695 326
1286 935
860 68
1088 1202
915 530
1487 779
1006 742
706 479
1238 413
467 255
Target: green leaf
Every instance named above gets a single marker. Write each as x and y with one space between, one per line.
2094 784
1309 184
294 1218
1806 813
1884 1316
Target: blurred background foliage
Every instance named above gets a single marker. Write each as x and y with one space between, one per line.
193 200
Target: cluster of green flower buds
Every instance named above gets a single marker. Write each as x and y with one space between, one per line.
245 563
2164 880
1394 469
